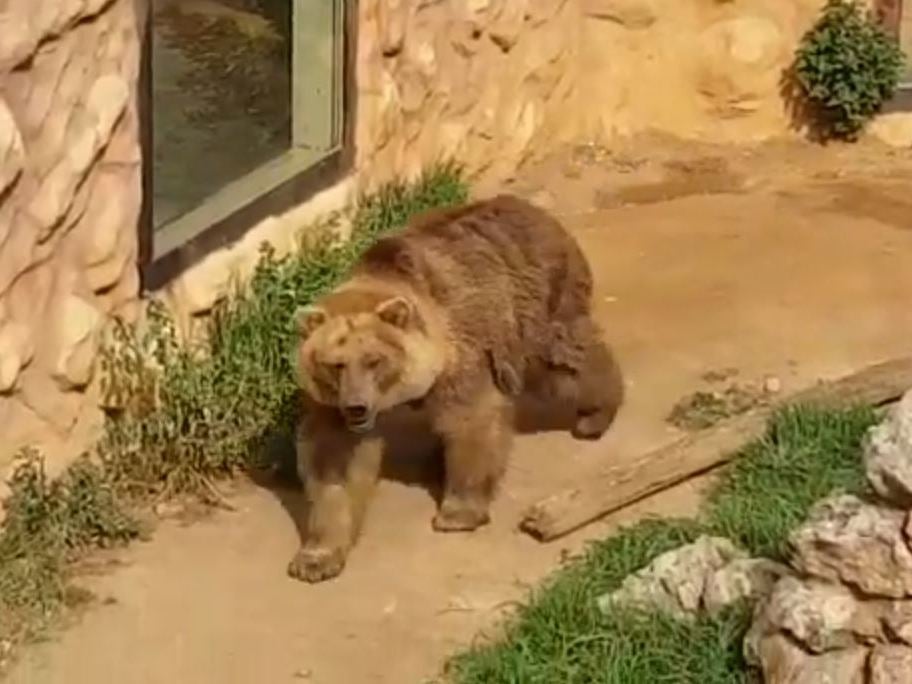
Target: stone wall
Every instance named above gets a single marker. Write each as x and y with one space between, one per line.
498 82
493 83
69 201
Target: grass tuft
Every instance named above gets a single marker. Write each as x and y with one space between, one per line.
183 416
559 635
807 454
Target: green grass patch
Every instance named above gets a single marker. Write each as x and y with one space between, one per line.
559 635
184 416
806 454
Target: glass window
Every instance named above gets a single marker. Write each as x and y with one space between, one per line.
905 39
244 94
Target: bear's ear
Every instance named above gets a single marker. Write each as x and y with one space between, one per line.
309 318
396 311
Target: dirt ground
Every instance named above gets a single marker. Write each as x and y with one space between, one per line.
780 260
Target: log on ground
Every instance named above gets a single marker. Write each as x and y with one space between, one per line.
617 486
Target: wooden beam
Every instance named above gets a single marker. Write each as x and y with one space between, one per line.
618 485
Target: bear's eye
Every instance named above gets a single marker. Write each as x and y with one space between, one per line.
337 367
373 362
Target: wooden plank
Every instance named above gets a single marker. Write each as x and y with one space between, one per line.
616 486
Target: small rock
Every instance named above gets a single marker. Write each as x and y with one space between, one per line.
819 615
303 674
674 582
749 578
890 664
168 509
888 454
784 662
860 544
543 199
772 385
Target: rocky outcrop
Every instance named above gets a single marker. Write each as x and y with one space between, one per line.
841 611
888 455
707 575
69 204
846 616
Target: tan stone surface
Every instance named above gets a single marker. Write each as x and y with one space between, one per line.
69 201
505 81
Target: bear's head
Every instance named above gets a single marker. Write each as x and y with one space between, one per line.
364 352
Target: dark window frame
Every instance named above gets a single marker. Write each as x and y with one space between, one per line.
157 270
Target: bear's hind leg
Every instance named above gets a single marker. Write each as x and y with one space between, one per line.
477 435
591 382
600 385
600 392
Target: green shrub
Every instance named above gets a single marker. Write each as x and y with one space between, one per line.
847 67
229 405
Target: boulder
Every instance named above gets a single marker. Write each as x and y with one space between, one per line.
859 544
888 454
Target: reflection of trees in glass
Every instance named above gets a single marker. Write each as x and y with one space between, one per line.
221 84
240 59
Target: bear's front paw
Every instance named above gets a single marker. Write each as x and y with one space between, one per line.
316 563
454 517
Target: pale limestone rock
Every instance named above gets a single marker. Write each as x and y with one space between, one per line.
78 331
15 353
893 129
54 197
747 578
19 40
107 99
12 154
392 22
897 619
674 581
856 543
41 395
739 63
508 26
413 88
784 662
890 664
631 14
888 454
818 615
477 6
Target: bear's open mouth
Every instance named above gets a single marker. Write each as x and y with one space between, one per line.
359 419
362 425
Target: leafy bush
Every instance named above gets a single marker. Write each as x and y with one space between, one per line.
848 67
183 416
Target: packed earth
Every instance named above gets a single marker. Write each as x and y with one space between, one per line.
779 264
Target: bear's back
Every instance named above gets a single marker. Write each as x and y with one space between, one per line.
502 269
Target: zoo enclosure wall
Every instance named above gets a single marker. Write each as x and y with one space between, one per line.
492 83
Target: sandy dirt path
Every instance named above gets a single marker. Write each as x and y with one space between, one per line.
782 260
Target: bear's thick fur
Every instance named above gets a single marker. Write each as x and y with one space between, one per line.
459 313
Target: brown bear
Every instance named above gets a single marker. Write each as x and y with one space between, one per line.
460 313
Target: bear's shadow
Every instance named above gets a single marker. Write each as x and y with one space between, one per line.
413 457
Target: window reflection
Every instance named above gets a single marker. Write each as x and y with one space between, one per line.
905 39
221 95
